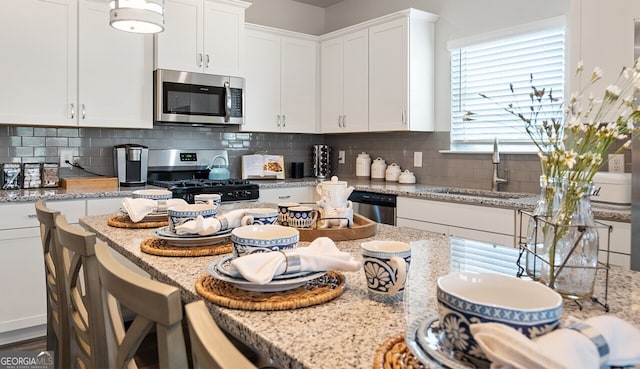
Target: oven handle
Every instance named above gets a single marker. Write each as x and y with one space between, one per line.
227 98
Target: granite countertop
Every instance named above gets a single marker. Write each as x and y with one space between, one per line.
508 200
345 332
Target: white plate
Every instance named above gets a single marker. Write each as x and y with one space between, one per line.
223 266
165 232
423 339
152 217
273 286
192 241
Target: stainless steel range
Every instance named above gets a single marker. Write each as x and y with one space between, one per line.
185 173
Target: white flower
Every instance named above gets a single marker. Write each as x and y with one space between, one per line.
596 74
569 159
613 92
580 67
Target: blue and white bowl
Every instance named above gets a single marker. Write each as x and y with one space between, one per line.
180 214
263 238
466 298
152 194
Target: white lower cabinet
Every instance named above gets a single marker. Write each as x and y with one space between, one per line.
487 224
619 244
22 263
305 194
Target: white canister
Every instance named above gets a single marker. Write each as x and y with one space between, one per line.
392 173
363 165
407 177
378 168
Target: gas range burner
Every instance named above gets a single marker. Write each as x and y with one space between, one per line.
201 183
229 189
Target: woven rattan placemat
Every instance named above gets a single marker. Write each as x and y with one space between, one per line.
123 221
160 247
314 292
394 354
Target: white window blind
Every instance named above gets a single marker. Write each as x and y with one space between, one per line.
489 68
480 257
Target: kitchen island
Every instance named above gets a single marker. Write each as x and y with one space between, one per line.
345 332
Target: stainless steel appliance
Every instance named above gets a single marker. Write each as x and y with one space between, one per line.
321 156
130 162
197 98
635 177
186 174
379 207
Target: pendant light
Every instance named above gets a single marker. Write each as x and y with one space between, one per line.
138 16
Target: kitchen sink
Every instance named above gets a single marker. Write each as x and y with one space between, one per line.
469 192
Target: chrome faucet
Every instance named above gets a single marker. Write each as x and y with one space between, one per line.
495 159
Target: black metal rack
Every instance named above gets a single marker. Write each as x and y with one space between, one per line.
539 260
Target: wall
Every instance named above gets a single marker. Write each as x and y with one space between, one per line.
287 14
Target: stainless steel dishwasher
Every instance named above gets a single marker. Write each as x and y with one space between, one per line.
379 207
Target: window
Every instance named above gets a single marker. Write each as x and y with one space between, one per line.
489 65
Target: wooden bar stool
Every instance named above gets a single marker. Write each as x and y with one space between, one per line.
58 321
156 304
85 295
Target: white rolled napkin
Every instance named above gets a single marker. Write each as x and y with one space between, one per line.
321 255
208 226
139 208
596 342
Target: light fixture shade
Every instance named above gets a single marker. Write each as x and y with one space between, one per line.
138 16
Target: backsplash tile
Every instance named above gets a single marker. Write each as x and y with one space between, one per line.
94 149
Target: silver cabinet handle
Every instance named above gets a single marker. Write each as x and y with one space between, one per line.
339 120
73 111
206 65
32 216
344 121
284 120
278 120
200 60
284 197
404 117
227 95
84 112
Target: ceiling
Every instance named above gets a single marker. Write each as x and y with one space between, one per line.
319 3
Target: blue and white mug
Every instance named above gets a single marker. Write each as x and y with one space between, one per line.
386 268
283 212
301 216
180 214
260 216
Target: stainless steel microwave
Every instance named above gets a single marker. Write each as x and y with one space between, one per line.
197 98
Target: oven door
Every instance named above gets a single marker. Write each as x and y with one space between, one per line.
184 97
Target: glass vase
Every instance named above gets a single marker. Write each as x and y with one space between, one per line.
539 226
571 248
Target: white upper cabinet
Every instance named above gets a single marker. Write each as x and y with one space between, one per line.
281 81
401 73
39 59
345 83
68 67
115 72
205 36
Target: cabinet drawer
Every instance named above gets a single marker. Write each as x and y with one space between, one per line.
22 215
483 218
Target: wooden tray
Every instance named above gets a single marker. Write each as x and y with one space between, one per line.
90 183
362 228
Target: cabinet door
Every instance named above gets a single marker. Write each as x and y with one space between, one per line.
104 206
331 85
298 92
388 76
115 72
356 82
22 273
223 39
39 61
180 45
262 82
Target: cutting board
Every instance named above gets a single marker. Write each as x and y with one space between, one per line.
90 183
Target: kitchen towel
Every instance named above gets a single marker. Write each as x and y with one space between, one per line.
597 342
139 208
321 255
208 226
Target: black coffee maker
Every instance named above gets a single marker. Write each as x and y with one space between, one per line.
130 162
